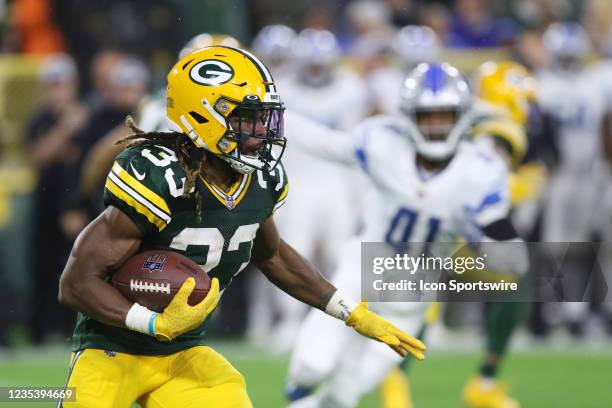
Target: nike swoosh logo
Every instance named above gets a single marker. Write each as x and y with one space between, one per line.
138 175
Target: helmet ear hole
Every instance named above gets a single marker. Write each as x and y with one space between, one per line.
198 118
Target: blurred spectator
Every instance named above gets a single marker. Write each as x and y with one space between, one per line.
51 140
540 13
35 29
473 25
101 69
437 17
128 84
404 12
220 16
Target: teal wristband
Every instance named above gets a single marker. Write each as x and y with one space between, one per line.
152 324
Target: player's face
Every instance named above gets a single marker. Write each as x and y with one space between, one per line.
436 125
252 127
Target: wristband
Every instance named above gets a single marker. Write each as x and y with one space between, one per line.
340 306
141 319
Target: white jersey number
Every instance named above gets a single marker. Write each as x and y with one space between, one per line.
213 240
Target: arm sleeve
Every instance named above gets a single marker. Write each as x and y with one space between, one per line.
135 187
319 140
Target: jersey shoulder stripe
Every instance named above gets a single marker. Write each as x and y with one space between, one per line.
136 202
282 198
131 181
137 185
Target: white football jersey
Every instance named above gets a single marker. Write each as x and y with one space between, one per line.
403 204
577 102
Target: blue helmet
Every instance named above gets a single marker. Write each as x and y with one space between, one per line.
316 47
273 42
433 87
566 43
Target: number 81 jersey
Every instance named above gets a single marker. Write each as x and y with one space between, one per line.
146 183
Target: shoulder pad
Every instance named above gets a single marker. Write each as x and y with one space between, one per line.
141 184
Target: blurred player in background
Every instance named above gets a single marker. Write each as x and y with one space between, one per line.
427 185
273 45
52 140
214 182
411 46
574 98
505 91
322 90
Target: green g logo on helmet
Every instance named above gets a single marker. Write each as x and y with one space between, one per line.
211 73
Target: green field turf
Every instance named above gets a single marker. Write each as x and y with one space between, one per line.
539 379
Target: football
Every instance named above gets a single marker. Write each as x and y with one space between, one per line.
152 278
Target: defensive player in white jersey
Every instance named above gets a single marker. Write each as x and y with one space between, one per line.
321 90
410 46
428 185
575 99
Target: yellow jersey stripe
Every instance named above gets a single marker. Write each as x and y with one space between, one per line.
128 190
136 185
235 186
129 200
284 193
279 205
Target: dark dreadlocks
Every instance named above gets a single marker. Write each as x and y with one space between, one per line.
190 157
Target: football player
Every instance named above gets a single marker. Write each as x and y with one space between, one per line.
505 91
208 190
427 185
576 100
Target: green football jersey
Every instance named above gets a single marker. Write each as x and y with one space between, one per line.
146 183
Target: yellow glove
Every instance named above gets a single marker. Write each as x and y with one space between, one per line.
369 324
179 317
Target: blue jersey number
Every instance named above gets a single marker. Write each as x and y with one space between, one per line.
402 227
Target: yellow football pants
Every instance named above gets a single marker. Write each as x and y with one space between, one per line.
197 377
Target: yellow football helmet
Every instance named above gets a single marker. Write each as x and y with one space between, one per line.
505 133
507 85
221 97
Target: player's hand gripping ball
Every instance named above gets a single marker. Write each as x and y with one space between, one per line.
152 278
